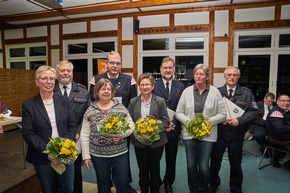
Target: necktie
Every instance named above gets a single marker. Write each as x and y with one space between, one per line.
230 94
167 89
65 93
269 108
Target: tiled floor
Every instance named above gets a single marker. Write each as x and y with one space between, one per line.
266 180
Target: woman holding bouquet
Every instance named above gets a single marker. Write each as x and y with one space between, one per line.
149 150
44 116
200 100
106 124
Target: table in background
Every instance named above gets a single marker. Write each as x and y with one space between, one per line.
16 121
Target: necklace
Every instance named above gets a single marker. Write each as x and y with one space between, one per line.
48 102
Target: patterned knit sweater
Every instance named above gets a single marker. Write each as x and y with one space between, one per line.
95 143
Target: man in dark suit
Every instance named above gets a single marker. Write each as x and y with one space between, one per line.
124 85
79 100
258 128
171 91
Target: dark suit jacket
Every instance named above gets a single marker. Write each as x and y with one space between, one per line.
158 110
171 102
37 127
260 121
79 100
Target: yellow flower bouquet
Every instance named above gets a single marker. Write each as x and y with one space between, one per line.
62 149
114 125
147 130
199 126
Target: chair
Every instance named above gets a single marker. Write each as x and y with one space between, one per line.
273 144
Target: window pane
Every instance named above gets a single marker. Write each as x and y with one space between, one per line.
255 72
37 51
283 83
257 41
152 64
156 44
77 48
17 52
284 41
95 65
35 64
17 65
80 74
103 47
189 43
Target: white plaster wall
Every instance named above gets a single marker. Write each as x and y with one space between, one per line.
127 28
285 12
104 25
218 79
191 18
54 57
154 21
221 23
254 14
71 28
127 56
13 34
54 34
36 31
220 54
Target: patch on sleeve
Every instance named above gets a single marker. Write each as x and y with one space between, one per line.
277 114
92 81
133 82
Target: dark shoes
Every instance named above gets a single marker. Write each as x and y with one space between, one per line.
286 165
168 188
132 190
275 163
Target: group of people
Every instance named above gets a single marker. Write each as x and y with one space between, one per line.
66 109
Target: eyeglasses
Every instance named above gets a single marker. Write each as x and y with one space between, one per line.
46 79
113 63
285 101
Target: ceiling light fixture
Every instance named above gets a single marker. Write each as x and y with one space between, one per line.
48 4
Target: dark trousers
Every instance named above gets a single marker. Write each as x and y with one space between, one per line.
171 148
78 182
235 158
259 134
129 166
148 160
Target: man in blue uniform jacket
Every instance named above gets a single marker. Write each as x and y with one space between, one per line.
171 91
124 85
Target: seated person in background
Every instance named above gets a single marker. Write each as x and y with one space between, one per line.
278 124
258 127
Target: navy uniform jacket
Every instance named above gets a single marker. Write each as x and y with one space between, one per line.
37 127
123 87
278 123
244 98
171 102
79 100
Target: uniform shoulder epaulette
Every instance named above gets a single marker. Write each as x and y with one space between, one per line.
247 89
81 85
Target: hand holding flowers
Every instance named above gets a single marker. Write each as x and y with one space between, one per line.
199 126
115 125
147 130
61 151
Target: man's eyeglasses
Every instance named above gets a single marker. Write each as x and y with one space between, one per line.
113 63
46 79
285 101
